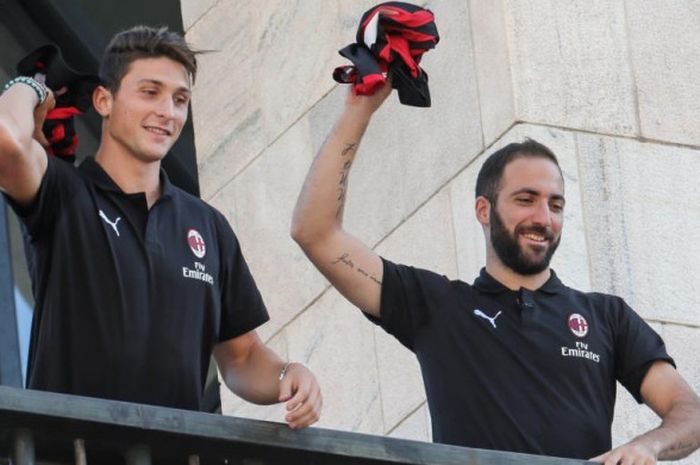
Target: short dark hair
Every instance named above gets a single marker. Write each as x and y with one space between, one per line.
488 182
143 42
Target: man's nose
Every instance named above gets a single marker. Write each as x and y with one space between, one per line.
166 107
542 214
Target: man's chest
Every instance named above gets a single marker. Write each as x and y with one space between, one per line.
166 249
555 338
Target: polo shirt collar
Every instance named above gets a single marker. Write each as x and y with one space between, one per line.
98 176
487 283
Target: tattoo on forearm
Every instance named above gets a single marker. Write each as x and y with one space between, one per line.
349 149
678 451
343 184
372 277
347 152
345 260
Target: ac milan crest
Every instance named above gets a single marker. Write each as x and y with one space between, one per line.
578 325
196 243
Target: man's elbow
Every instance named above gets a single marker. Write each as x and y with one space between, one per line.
309 237
302 233
299 233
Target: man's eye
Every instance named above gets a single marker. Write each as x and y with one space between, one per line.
523 200
149 91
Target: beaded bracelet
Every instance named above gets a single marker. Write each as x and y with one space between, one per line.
38 87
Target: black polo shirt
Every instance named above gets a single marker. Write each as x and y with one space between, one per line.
131 301
523 371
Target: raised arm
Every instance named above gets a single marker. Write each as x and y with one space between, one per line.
667 394
22 157
317 226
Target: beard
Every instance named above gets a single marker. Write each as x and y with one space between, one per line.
512 254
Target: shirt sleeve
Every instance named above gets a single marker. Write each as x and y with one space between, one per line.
57 186
409 298
637 346
242 306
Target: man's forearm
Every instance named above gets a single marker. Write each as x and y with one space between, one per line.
22 159
319 209
17 118
679 433
255 378
682 430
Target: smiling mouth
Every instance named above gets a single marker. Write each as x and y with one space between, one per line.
535 237
157 130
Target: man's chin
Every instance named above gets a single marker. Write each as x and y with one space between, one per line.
158 152
534 261
152 157
530 268
538 260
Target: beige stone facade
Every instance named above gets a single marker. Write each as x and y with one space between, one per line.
611 86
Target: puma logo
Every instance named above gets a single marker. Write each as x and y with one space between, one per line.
483 315
113 224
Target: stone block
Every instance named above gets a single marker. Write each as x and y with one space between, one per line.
492 64
400 380
415 427
469 236
664 51
271 62
336 342
193 10
260 203
641 217
426 238
426 241
570 65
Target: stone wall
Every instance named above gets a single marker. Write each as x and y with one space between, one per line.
610 86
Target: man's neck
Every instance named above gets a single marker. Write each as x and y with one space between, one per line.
513 280
131 175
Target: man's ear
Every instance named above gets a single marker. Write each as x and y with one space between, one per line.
102 101
482 208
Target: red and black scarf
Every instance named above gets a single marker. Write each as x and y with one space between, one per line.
59 127
392 38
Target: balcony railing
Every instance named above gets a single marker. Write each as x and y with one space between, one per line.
47 428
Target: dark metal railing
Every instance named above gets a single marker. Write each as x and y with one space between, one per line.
46 428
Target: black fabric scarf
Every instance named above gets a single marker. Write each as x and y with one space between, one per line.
392 38
59 127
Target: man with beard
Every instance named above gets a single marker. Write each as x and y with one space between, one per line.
515 361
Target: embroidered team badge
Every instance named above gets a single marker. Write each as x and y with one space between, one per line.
578 325
196 243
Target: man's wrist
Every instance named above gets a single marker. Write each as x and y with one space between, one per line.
39 89
283 371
